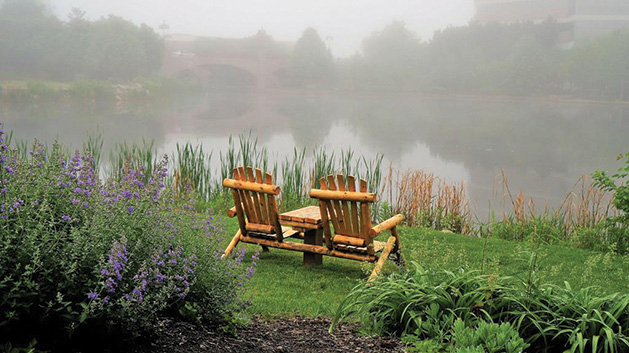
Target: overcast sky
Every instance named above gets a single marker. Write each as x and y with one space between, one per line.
344 23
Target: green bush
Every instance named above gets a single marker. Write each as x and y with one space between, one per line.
618 184
79 257
435 310
487 337
425 303
544 230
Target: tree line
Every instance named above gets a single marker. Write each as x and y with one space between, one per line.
34 43
519 59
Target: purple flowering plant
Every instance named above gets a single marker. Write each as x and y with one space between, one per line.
79 250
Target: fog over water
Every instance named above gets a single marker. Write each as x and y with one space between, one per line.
346 22
464 89
543 147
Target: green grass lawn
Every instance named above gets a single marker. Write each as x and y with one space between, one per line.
282 286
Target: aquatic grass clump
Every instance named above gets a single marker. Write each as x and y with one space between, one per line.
81 258
293 182
192 169
192 172
581 220
142 157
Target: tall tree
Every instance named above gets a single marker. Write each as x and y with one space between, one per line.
27 33
312 63
119 49
391 56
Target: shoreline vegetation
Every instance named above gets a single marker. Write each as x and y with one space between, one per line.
425 200
159 88
90 91
107 254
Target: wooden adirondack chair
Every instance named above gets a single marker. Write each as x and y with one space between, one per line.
349 212
256 209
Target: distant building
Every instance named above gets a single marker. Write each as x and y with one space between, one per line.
581 18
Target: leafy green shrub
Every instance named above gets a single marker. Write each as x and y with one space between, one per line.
76 253
604 237
618 184
487 337
432 309
621 192
561 318
425 303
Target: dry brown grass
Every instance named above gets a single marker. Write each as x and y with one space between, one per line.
427 201
585 206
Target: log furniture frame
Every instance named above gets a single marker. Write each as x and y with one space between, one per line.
256 209
348 210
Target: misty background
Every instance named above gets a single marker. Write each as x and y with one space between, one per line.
463 89
347 22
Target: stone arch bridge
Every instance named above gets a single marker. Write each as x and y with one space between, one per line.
257 69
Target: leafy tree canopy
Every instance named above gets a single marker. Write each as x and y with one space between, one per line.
312 63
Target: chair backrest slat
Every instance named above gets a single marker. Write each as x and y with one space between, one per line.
245 196
340 226
273 215
354 207
255 199
264 211
325 210
349 216
255 207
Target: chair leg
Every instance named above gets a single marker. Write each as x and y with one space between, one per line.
265 248
383 257
232 244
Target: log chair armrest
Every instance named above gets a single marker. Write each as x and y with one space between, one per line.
386 225
231 213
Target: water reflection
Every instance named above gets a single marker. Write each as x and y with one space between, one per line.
543 147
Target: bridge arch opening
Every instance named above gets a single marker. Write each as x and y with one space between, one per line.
227 76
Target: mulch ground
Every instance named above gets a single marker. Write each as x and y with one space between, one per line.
285 335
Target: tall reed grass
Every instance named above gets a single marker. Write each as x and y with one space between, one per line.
577 220
142 157
192 172
428 201
424 199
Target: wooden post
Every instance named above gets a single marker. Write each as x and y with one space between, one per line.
313 237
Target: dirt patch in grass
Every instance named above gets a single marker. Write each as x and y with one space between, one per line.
282 335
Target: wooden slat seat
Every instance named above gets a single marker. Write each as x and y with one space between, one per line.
258 219
346 212
342 220
256 208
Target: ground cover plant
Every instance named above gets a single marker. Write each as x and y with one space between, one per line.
82 257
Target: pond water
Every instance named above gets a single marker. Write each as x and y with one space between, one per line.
542 147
